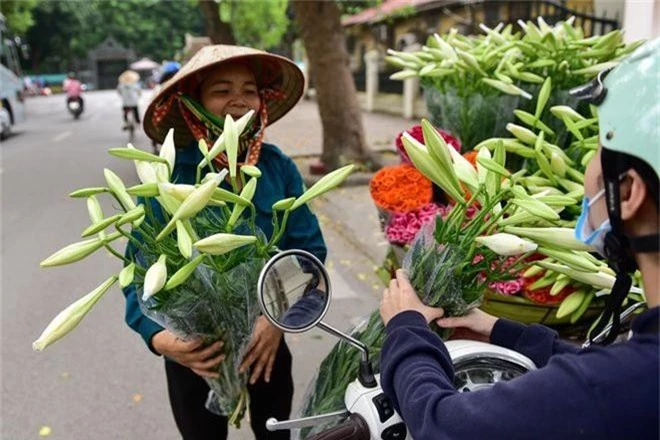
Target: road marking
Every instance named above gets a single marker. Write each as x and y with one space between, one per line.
62 136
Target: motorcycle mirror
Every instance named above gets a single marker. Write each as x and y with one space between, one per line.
294 291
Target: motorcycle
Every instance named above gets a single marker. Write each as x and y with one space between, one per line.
294 293
75 106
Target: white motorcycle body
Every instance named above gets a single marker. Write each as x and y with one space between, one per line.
489 363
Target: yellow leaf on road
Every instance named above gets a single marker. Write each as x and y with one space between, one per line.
45 431
362 277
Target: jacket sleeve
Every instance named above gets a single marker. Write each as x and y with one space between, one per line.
537 342
133 315
303 230
417 374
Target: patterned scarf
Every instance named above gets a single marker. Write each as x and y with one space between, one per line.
204 125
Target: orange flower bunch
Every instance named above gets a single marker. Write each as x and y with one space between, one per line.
400 188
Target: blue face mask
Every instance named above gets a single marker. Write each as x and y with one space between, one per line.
583 230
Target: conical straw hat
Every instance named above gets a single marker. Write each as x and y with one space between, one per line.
129 77
271 71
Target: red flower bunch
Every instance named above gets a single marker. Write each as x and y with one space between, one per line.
400 188
416 132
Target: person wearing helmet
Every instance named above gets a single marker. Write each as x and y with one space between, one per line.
218 81
600 392
73 89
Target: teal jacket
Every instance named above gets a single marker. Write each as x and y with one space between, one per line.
280 179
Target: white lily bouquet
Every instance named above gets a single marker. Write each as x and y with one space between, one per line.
194 255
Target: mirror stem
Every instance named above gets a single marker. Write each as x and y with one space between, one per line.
366 374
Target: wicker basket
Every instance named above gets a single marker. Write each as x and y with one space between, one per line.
523 310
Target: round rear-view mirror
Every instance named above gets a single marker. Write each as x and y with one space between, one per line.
294 291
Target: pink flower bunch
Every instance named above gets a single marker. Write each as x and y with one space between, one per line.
509 287
403 226
416 132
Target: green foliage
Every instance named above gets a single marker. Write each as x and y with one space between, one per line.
64 31
259 24
18 14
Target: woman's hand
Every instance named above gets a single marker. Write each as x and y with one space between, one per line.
401 296
262 349
192 354
476 320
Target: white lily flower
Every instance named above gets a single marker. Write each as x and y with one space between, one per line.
167 150
506 244
155 278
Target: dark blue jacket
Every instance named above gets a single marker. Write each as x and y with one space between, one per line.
597 393
280 179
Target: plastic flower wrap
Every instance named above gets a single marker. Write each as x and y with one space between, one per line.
194 252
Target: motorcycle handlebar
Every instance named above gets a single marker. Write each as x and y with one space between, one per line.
355 428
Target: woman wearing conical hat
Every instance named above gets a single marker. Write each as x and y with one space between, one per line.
219 81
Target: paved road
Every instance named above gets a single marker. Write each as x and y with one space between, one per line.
101 382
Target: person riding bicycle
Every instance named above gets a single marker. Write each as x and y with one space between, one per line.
600 392
129 90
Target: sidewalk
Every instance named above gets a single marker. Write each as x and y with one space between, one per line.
300 132
300 135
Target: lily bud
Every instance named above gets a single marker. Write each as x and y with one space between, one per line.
134 216
247 193
183 240
86 192
73 252
94 209
325 184
218 244
558 165
126 275
509 89
144 190
571 303
563 238
118 189
168 152
155 278
179 191
284 204
184 273
526 136
228 196
569 258
100 226
194 203
134 154
506 244
251 171
69 318
203 147
242 122
564 111
421 158
231 144
217 148
218 176
599 280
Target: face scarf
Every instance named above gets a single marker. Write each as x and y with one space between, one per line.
207 126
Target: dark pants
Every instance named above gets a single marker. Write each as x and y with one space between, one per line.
136 114
188 393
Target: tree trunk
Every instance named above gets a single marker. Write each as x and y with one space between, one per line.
341 117
216 30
